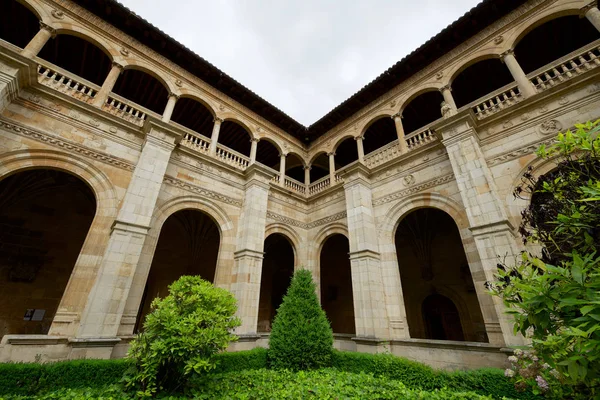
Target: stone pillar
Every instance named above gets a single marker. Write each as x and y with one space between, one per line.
360 148
253 148
307 176
166 117
108 85
331 168
370 310
214 138
108 296
400 132
248 256
592 13
39 40
282 169
448 98
525 86
493 234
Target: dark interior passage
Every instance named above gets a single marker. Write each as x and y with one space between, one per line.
439 294
346 153
45 216
236 137
336 284
480 79
18 25
193 115
378 134
188 245
277 272
143 89
421 111
319 167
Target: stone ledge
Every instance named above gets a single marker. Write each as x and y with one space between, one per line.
33 340
450 344
93 342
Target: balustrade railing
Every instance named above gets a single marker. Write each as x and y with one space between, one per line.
196 142
232 158
318 186
498 100
420 138
294 185
118 106
64 82
383 154
567 67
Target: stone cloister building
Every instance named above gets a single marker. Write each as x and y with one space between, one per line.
127 161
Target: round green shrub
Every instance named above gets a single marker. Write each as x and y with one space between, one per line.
301 337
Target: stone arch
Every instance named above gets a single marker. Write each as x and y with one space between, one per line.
315 155
272 141
556 11
162 213
82 277
289 234
299 156
203 102
236 119
365 124
87 35
340 139
413 94
328 230
37 9
469 61
150 70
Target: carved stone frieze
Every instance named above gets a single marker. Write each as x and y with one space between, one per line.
415 189
66 145
294 222
201 191
550 127
529 149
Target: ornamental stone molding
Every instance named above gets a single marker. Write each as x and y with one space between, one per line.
202 191
520 152
299 224
403 193
550 127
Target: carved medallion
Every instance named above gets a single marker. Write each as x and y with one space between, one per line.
498 39
58 14
409 180
563 100
549 127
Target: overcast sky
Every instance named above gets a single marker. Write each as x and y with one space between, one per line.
303 56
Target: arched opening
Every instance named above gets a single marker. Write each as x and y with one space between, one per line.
345 153
45 216
193 115
188 244
336 284
319 167
143 89
553 40
78 56
433 267
378 134
12 15
236 137
294 167
422 110
478 80
442 321
268 154
277 272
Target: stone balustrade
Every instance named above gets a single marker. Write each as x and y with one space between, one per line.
318 186
567 67
232 157
420 138
383 154
196 142
118 106
65 82
295 186
498 100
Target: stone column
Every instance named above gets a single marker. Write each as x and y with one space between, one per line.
493 234
282 169
214 138
360 148
400 132
253 148
592 13
307 176
39 40
248 256
166 117
448 98
106 301
370 311
331 168
108 85
525 86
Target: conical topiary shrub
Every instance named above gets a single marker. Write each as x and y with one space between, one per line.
301 337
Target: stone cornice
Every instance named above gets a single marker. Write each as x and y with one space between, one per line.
65 144
202 191
520 152
414 189
294 222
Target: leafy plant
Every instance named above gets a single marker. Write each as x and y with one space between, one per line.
555 298
301 337
182 334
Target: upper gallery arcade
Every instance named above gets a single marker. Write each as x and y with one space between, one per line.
127 161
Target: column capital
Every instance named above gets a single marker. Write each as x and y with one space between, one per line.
218 120
307 167
446 87
509 52
359 137
584 10
117 65
176 96
48 28
283 155
397 115
254 139
331 153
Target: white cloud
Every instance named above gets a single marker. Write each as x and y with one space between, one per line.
307 56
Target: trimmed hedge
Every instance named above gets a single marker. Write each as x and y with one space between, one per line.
241 360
